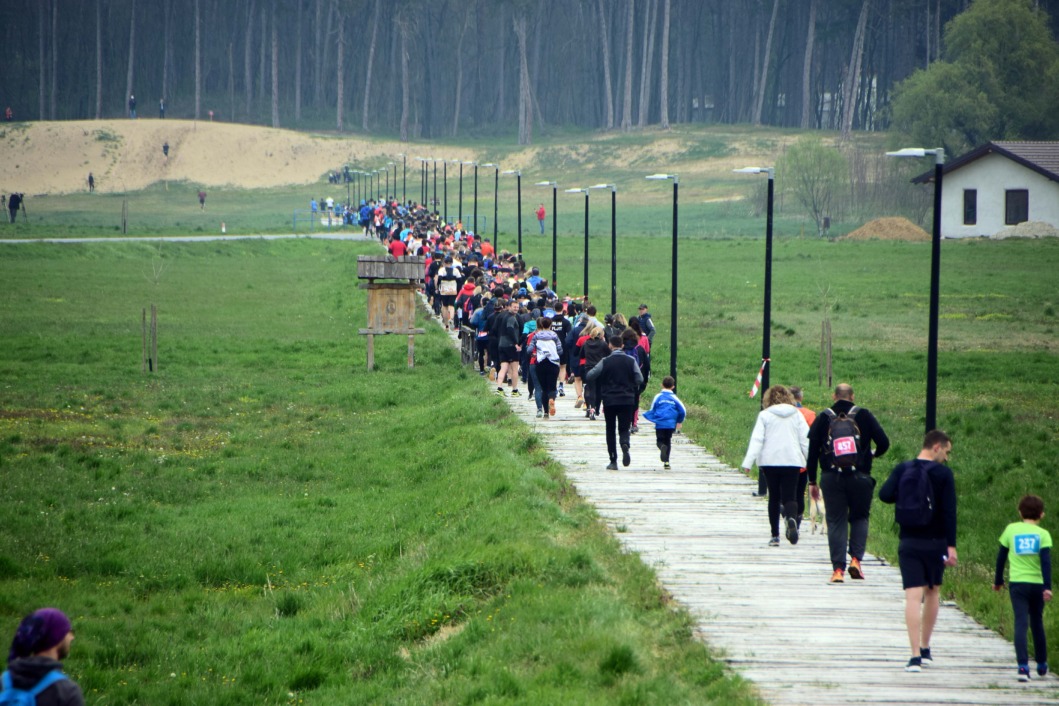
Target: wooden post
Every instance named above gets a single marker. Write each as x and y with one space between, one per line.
143 351
154 336
411 351
371 351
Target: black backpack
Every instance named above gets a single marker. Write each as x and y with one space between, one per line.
843 438
915 495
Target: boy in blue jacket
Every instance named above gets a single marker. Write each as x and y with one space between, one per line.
667 413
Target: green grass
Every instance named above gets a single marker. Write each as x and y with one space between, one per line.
242 528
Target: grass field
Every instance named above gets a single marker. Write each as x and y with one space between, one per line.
242 528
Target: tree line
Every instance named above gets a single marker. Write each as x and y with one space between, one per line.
438 68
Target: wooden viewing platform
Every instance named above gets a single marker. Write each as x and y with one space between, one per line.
770 612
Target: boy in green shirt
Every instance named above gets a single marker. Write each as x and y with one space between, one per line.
1029 548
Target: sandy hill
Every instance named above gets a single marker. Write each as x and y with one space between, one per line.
56 157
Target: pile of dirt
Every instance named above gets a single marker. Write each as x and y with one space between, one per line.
1029 229
889 229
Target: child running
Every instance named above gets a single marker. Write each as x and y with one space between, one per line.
667 412
1030 548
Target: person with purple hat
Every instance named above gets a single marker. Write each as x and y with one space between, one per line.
34 664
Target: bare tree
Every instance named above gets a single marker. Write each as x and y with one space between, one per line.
608 119
525 96
459 72
664 90
275 68
626 111
340 83
852 78
370 62
198 62
762 84
132 53
248 74
298 65
99 60
55 53
650 15
807 67
406 92
318 55
40 61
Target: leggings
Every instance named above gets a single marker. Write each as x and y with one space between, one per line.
547 377
783 484
1027 602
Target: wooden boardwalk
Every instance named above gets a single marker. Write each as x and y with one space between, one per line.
770 612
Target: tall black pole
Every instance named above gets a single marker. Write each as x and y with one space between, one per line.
518 177
394 194
613 250
496 195
460 215
586 244
474 226
555 236
378 186
766 326
423 182
435 204
387 170
935 289
404 179
445 188
673 304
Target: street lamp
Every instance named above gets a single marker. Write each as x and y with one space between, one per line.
394 194
404 177
766 326
673 267
378 186
518 176
935 278
613 244
496 192
459 216
445 189
585 192
386 169
435 203
474 226
422 179
555 232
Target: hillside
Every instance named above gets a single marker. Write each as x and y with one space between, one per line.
126 155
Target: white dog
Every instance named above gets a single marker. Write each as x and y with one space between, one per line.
817 513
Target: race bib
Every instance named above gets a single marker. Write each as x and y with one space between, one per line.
845 446
1027 544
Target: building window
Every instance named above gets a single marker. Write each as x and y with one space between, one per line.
1016 206
970 207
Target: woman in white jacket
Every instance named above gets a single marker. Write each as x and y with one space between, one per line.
779 445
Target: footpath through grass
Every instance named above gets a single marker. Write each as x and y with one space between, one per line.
264 522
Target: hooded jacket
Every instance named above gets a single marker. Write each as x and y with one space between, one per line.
26 672
780 438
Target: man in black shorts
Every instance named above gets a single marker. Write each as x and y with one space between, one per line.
508 349
926 546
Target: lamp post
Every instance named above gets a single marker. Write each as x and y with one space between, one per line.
460 213
422 180
386 193
935 278
474 226
555 231
585 192
347 177
766 326
518 178
673 266
613 244
394 194
445 188
378 186
435 202
496 193
404 177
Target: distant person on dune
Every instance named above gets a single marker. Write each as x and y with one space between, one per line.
91 183
202 200
132 107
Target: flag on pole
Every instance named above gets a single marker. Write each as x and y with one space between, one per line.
757 382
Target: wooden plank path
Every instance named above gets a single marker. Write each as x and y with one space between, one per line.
770 612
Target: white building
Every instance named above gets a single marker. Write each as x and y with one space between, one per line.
997 185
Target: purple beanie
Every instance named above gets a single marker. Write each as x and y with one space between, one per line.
39 632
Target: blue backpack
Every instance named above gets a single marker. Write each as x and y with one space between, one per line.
10 696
